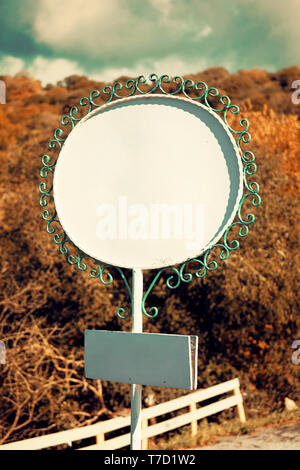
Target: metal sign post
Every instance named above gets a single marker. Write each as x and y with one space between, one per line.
136 389
150 180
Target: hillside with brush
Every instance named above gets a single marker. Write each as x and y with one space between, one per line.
246 313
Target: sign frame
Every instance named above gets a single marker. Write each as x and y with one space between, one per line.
192 268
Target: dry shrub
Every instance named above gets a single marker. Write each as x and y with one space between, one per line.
40 385
9 132
276 134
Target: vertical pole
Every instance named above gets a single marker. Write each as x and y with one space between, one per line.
193 407
240 406
136 389
144 441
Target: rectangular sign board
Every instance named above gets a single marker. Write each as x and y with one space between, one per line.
142 358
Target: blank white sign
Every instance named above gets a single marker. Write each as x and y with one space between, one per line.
142 358
148 181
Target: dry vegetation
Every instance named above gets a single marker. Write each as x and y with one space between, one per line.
246 313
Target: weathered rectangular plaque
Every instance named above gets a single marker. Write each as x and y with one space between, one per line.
142 358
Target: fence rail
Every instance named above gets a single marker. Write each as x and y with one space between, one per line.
99 430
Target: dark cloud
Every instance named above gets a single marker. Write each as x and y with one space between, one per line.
15 38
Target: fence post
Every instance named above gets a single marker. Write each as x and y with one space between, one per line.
100 438
144 441
194 427
240 406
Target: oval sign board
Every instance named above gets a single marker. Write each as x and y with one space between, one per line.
148 181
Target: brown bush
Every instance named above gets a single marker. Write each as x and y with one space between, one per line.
41 386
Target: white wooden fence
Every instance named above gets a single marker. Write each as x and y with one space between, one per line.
99 430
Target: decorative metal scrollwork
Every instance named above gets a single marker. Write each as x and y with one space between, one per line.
181 274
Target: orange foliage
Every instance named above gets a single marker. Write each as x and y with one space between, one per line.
21 87
9 131
276 133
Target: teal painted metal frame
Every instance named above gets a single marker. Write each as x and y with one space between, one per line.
178 274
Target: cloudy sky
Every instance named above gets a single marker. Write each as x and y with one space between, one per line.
105 39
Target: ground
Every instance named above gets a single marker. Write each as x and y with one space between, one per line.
285 437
